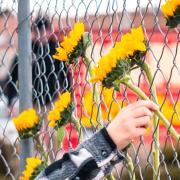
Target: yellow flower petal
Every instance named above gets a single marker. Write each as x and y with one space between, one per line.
26 119
31 164
59 106
70 42
61 55
170 7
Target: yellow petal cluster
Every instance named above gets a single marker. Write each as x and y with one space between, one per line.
130 43
70 42
170 7
26 119
31 164
59 106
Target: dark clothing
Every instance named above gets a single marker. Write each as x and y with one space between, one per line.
49 76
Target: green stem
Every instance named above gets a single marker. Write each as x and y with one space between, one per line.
130 166
77 127
110 177
155 151
41 149
143 96
60 135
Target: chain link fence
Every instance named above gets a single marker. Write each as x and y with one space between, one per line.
106 21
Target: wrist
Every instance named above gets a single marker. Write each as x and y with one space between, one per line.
119 140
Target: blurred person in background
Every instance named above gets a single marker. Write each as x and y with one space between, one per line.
49 77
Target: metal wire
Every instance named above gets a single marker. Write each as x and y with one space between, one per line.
106 21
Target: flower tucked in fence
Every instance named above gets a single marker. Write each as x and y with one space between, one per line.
118 62
27 123
61 114
33 167
171 10
73 45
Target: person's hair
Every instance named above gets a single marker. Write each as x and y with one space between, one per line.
41 22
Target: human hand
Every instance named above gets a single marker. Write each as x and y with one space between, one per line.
131 122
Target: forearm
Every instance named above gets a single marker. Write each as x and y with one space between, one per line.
93 158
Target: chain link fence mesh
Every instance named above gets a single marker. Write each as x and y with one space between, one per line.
106 21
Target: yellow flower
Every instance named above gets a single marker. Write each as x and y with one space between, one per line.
65 99
140 47
31 164
170 7
118 52
53 116
105 65
167 10
99 74
137 33
130 43
27 119
60 105
70 42
77 32
62 54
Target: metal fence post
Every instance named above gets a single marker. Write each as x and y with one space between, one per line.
25 70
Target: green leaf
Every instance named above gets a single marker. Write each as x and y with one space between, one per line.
60 135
